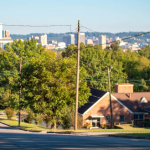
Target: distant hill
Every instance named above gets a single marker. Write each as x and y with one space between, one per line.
59 36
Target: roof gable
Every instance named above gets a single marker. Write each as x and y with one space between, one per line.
143 100
96 96
134 103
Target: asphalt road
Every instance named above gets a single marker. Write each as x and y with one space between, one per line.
13 139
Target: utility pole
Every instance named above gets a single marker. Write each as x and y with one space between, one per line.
77 78
109 70
20 91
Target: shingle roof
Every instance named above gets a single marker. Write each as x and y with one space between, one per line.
95 96
133 103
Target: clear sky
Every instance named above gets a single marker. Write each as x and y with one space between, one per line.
98 15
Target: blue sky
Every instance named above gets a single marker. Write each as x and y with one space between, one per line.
98 15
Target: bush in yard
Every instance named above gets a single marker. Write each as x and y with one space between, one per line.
9 113
66 122
87 125
30 117
38 119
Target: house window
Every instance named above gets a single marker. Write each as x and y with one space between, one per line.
121 118
138 117
141 117
87 120
107 119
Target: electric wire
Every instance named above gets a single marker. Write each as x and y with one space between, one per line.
35 25
139 34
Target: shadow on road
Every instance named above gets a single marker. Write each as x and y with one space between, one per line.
15 141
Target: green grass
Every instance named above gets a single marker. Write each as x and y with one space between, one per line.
24 125
3 116
126 128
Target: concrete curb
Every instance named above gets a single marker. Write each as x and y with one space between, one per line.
130 136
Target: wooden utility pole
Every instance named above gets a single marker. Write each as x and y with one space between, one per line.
77 79
111 118
20 91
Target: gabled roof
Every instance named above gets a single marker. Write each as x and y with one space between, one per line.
134 103
96 95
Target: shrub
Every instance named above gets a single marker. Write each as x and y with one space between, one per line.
47 119
87 125
66 122
30 117
9 113
38 118
103 126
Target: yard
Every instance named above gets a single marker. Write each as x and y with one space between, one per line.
124 128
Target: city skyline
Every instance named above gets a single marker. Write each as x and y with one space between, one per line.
113 16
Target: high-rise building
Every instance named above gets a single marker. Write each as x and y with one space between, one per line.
6 34
68 39
82 38
4 41
102 41
0 30
43 39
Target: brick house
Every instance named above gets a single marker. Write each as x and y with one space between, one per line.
126 105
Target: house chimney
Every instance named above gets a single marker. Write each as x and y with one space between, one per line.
124 88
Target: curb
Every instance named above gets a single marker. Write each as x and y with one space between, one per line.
130 136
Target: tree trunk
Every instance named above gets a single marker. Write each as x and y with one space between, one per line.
55 126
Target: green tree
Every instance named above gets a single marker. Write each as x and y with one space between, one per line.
50 84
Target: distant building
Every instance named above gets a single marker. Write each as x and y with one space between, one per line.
102 41
61 44
5 40
82 38
6 34
68 39
134 47
118 39
89 41
34 37
0 30
50 46
53 42
43 39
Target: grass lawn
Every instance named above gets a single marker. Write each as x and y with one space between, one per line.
126 128
3 116
24 125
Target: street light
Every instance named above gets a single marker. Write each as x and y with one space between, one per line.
109 70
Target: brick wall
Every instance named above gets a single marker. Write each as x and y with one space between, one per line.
103 108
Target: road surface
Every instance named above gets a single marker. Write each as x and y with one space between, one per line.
13 139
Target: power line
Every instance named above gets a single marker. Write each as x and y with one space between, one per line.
36 25
139 34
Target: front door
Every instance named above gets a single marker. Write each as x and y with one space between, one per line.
96 122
